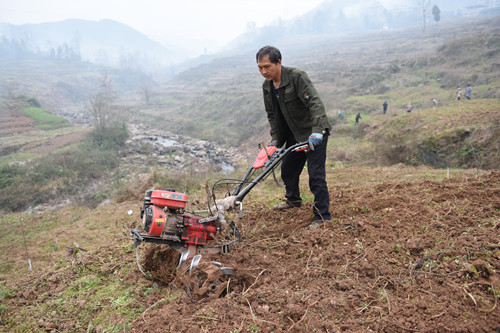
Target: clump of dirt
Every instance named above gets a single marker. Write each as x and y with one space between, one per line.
161 262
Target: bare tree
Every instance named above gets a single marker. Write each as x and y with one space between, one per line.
424 6
101 109
147 87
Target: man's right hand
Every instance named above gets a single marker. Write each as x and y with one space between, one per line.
314 140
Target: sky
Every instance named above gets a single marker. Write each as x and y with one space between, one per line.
194 24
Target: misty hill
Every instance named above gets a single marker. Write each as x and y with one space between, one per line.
105 42
112 43
342 17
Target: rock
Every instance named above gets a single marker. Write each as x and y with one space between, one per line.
201 153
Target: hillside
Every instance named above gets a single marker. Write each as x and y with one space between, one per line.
352 72
62 86
408 250
462 134
221 100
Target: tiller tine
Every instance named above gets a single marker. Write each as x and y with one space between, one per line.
228 271
195 262
183 258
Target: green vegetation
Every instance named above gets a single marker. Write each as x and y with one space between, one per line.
43 119
97 293
52 176
112 137
61 173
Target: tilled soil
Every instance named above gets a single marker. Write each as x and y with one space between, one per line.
403 257
45 146
13 121
397 257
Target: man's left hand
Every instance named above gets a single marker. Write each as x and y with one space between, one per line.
314 140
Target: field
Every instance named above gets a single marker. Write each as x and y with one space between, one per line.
29 132
409 249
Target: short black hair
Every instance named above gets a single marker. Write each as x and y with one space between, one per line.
273 53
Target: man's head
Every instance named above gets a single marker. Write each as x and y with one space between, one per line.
269 63
273 53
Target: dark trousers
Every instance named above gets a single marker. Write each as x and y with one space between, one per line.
291 169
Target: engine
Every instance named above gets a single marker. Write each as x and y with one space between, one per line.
163 216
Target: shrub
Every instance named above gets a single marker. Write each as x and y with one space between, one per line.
46 178
10 174
34 102
112 138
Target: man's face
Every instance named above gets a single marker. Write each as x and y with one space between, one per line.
270 71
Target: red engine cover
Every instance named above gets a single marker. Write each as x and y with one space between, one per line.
197 233
158 221
170 199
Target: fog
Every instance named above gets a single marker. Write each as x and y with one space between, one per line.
199 26
151 34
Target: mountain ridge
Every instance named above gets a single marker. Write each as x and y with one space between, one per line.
106 42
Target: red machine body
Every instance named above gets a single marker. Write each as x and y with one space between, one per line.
196 233
164 219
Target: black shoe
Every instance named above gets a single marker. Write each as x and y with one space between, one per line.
317 223
287 205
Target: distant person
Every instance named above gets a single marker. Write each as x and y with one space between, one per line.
358 117
409 108
434 102
459 93
295 114
468 91
341 115
385 106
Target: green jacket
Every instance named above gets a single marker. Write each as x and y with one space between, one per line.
300 104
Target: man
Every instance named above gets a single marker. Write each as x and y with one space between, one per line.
296 114
385 106
468 91
434 103
358 117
